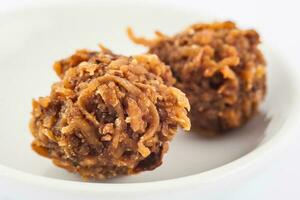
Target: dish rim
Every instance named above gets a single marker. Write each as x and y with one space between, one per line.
257 155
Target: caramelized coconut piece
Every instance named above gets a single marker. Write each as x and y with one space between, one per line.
220 69
109 115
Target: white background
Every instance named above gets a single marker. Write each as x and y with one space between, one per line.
278 23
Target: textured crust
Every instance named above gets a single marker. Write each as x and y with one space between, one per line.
109 115
220 69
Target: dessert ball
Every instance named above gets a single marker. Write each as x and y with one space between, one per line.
109 115
219 67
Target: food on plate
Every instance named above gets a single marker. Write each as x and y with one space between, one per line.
219 67
109 115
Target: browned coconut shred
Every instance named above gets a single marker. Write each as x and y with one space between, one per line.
219 67
109 115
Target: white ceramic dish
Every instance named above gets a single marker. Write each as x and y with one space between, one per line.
32 38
